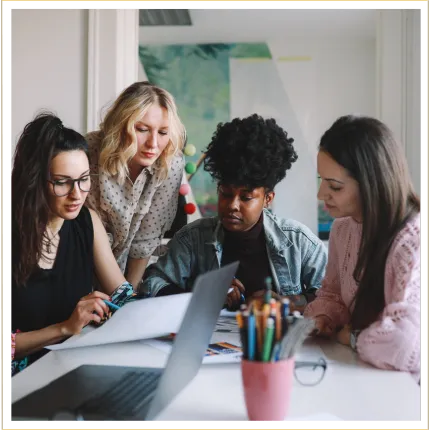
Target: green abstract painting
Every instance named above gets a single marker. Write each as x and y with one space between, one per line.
198 76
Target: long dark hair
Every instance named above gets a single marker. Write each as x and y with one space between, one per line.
42 139
367 149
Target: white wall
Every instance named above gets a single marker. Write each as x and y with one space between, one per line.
326 79
322 79
49 66
398 93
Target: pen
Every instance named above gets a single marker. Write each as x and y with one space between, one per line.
268 293
242 323
285 308
251 337
111 305
260 332
276 351
278 322
268 339
285 314
266 312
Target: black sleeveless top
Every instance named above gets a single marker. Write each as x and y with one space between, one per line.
51 295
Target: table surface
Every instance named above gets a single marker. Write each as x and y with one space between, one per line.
350 390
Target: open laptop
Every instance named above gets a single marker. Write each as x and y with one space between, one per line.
98 392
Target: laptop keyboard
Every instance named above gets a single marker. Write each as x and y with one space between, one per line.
131 393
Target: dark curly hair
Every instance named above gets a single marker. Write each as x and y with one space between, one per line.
252 152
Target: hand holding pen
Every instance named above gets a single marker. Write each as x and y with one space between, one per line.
90 308
235 295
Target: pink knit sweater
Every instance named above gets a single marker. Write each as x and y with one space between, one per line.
393 341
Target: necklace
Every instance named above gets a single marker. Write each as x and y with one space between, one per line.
49 240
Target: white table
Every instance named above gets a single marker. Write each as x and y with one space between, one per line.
350 390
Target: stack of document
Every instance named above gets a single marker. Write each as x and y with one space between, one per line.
138 320
152 319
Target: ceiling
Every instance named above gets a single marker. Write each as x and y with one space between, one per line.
252 25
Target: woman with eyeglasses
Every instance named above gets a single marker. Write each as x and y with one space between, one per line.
137 154
57 243
370 296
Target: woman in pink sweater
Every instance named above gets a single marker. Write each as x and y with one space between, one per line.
370 296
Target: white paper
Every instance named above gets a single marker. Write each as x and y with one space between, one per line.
226 325
226 313
141 319
226 337
209 359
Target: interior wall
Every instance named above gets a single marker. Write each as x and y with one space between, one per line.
49 66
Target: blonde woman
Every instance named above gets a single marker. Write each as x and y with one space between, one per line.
137 154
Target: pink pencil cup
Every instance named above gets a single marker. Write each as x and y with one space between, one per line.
267 388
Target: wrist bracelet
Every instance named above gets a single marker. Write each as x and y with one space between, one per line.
122 294
353 339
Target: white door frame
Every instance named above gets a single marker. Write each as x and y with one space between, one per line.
113 40
398 94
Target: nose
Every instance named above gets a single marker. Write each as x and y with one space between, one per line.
152 141
234 204
76 192
322 192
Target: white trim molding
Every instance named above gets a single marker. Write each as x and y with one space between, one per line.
398 97
112 58
93 71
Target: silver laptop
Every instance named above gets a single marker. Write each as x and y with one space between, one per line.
96 392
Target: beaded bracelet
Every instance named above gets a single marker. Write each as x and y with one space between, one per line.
121 295
13 345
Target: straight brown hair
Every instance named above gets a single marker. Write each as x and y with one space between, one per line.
367 149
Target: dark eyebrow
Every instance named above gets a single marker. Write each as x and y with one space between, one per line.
334 180
87 172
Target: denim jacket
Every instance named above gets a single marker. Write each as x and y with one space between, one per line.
296 256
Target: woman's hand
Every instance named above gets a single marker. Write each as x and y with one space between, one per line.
89 308
259 295
323 326
344 335
233 300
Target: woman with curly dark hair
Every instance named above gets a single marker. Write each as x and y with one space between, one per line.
247 157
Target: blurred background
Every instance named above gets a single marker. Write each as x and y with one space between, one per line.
305 68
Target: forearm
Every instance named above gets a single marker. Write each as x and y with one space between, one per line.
33 341
135 270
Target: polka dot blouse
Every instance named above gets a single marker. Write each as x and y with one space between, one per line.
136 216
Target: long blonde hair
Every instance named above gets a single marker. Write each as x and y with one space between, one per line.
119 142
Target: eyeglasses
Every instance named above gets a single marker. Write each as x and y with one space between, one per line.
310 373
63 187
